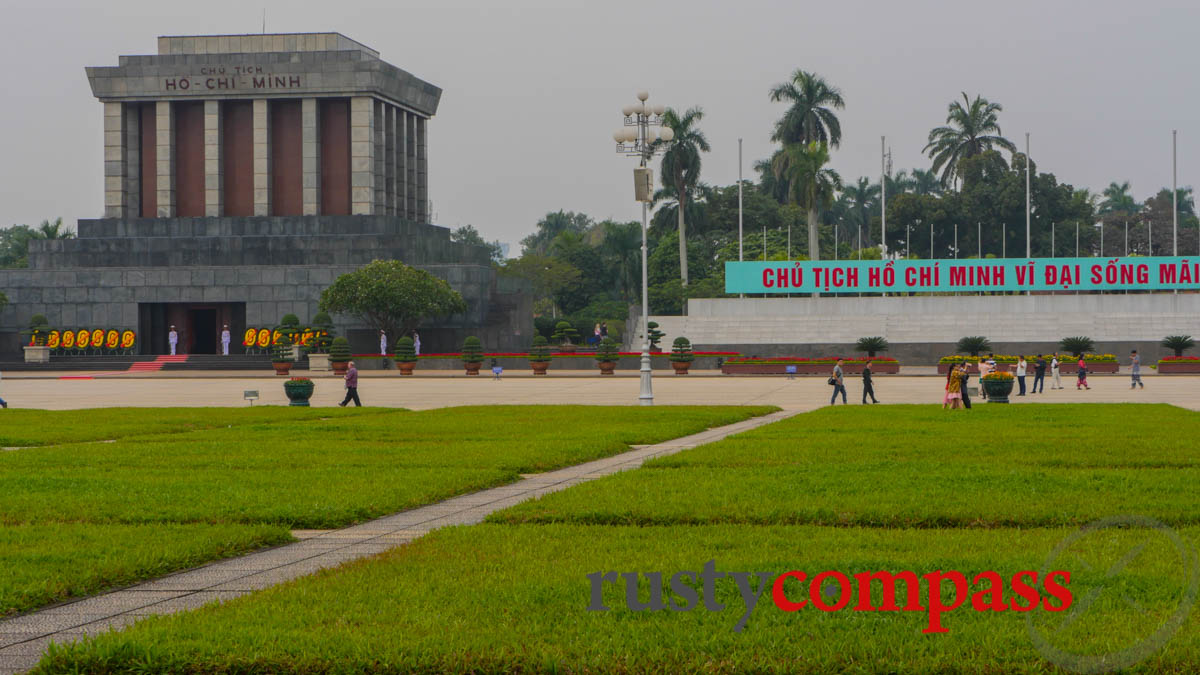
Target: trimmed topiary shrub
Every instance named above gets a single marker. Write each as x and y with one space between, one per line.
405 351
282 352
607 350
339 350
472 350
564 333
681 351
540 351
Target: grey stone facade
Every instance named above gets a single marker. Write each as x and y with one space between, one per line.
130 273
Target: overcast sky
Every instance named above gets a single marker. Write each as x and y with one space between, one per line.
533 91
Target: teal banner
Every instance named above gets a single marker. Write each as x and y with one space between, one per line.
950 276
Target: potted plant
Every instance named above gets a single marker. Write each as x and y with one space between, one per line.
655 336
322 337
281 357
606 356
1078 346
37 351
339 355
871 345
998 386
539 355
563 332
406 355
681 355
472 355
298 391
1178 344
289 326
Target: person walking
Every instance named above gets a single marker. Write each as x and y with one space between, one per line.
225 338
868 386
1054 372
1039 375
1021 374
3 403
603 329
964 374
838 383
173 340
1135 371
351 386
1081 373
984 369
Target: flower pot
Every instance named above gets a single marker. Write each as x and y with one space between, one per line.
607 367
997 390
339 367
406 367
539 367
568 348
282 367
681 367
298 393
472 367
318 362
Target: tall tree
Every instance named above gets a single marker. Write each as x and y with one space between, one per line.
970 130
467 234
391 296
810 117
622 250
681 168
925 182
862 199
810 184
1187 205
1117 199
551 226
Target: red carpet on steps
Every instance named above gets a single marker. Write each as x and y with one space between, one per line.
156 364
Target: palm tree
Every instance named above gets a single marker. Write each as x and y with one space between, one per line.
622 246
810 118
810 184
55 230
1118 200
861 199
925 182
971 129
681 167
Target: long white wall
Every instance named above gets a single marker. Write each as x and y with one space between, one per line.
935 319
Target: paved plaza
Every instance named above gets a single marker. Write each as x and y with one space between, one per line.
437 389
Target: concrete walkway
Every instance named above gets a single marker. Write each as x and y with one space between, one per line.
24 638
386 388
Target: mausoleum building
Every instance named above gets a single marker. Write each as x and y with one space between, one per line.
242 175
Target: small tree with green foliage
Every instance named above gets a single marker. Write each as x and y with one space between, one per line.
282 352
540 351
655 335
1176 343
39 329
871 345
339 350
323 333
973 345
472 350
564 333
390 296
405 350
1078 345
681 350
607 351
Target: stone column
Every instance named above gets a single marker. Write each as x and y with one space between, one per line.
164 130
214 203
362 156
262 159
133 161
389 162
114 160
379 138
410 179
423 213
311 155
402 163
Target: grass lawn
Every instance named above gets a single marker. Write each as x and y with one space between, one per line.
23 428
499 598
995 489
47 563
271 474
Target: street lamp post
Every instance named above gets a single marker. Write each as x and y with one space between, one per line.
639 138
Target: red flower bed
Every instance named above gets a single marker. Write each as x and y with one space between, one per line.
1179 365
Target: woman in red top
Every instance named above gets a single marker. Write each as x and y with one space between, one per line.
1082 372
